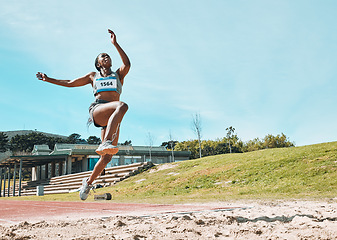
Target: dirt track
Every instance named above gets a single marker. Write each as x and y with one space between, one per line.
88 221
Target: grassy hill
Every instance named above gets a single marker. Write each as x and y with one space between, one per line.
297 172
308 172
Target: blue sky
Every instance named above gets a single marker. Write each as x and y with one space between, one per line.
263 67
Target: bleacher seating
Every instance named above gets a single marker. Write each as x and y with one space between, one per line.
72 182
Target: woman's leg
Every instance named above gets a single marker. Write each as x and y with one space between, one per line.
99 167
110 115
116 110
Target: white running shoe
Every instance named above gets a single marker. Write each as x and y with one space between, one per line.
85 189
107 148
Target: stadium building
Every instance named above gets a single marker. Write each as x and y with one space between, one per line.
63 159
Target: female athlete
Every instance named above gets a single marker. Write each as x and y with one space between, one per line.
107 111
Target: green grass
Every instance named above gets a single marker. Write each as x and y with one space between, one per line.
308 172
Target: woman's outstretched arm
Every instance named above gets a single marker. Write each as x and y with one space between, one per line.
78 82
124 69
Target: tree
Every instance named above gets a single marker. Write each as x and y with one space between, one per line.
93 140
230 132
25 143
253 145
208 148
170 144
278 141
221 148
269 141
75 138
191 145
150 142
196 127
4 142
127 143
51 141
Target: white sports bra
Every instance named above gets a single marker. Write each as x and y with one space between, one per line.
105 84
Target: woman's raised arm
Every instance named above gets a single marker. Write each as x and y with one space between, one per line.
124 69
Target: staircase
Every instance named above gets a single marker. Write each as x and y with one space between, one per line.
72 182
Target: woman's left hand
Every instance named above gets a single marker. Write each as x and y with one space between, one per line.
113 37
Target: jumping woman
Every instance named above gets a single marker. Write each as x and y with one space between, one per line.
107 111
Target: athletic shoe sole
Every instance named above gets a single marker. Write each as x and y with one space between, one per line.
107 151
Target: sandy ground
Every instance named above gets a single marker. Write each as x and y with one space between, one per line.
254 220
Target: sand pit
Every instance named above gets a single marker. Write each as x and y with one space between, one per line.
254 220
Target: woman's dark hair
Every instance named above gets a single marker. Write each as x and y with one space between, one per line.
96 63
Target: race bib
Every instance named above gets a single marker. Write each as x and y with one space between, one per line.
106 84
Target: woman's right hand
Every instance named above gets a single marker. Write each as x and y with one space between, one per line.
41 76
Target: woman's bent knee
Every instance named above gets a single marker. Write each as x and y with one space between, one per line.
124 107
